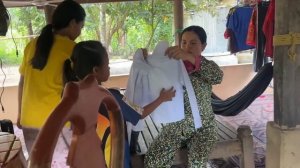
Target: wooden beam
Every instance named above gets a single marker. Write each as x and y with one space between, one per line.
25 3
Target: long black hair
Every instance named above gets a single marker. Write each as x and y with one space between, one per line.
198 30
85 56
63 14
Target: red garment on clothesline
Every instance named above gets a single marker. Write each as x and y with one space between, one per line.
268 29
251 36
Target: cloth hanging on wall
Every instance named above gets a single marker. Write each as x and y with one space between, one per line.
240 101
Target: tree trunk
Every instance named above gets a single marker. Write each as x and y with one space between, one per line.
103 29
30 29
115 27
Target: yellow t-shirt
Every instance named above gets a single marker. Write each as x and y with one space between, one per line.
42 89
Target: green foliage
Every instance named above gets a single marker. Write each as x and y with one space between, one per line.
147 22
24 22
123 28
23 18
9 51
92 22
202 5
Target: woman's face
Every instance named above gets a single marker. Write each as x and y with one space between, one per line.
191 43
76 29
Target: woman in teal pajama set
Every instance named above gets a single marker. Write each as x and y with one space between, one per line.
203 74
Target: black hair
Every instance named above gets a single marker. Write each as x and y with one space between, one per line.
63 14
198 30
85 56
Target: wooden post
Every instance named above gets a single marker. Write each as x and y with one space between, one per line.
48 13
178 19
283 136
286 71
245 137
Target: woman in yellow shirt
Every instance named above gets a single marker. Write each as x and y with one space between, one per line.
41 83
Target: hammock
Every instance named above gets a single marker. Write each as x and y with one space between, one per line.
240 101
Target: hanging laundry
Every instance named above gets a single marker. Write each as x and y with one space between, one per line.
237 23
259 58
251 36
268 29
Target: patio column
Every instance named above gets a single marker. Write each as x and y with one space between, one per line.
178 19
48 13
283 135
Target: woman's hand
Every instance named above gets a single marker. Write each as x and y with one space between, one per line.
177 53
167 95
